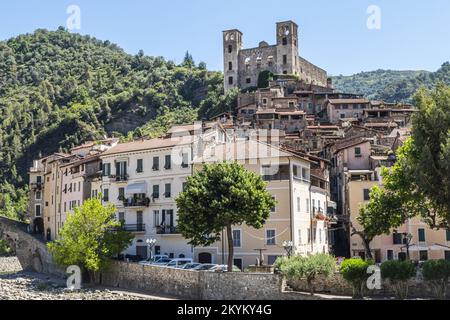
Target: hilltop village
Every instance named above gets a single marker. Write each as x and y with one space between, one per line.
320 151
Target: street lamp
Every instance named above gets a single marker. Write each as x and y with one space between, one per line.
289 247
150 243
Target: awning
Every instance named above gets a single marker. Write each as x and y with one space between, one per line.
415 247
136 188
439 247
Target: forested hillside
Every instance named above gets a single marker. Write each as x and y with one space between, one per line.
59 89
391 86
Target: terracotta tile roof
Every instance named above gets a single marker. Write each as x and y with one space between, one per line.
140 145
348 101
348 144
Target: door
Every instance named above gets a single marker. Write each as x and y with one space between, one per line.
205 257
402 256
141 252
238 263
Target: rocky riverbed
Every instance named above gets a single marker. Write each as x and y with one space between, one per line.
16 284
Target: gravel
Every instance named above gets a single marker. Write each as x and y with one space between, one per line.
16 284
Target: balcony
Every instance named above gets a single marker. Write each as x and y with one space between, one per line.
136 228
167 230
120 178
37 185
136 203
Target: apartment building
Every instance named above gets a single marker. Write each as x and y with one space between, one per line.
299 216
36 197
143 178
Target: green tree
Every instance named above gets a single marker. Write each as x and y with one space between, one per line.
90 237
218 197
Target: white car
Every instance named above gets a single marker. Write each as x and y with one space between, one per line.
154 259
223 268
161 262
178 263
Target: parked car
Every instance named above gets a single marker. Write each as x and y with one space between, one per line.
205 267
153 259
178 263
224 268
190 266
161 262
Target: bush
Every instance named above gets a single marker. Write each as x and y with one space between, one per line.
5 249
398 273
437 274
308 268
354 271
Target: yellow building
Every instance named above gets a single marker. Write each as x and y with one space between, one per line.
299 216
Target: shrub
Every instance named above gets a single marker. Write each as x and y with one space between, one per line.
5 249
398 273
437 274
308 268
354 271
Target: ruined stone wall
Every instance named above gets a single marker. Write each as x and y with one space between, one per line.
312 73
248 62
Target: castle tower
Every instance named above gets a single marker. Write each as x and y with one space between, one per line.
232 44
287 48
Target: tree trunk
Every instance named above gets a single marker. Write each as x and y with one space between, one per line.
366 242
230 248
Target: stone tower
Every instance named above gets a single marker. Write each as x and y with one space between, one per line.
287 48
232 44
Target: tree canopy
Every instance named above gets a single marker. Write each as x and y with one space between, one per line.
90 237
219 197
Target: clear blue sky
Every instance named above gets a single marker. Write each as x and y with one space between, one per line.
414 35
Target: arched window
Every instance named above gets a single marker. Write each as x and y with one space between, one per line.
230 48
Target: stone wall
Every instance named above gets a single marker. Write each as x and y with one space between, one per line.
336 285
189 284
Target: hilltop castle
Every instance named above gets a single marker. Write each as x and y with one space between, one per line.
243 66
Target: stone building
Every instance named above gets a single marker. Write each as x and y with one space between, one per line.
243 66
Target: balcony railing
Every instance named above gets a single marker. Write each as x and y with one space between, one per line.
134 227
136 202
37 185
167 230
119 178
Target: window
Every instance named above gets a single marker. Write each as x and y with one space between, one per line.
447 255
237 238
421 235
140 166
274 208
39 179
185 162
65 206
314 235
448 235
230 80
342 115
106 169
156 218
230 65
298 204
248 80
121 194
358 152
397 238
270 237
106 195
184 186
300 237
264 101
307 205
284 41
38 212
230 48
167 190
122 217
271 260
155 191
168 162
38 195
366 194
390 255
423 255
155 166
121 169
345 106
284 59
